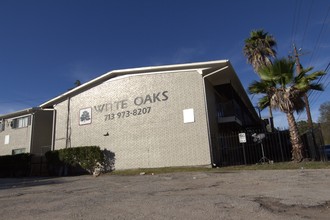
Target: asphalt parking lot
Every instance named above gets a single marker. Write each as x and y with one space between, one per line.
276 194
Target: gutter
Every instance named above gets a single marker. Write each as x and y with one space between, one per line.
53 130
20 113
32 134
68 126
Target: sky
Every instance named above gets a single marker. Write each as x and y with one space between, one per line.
46 45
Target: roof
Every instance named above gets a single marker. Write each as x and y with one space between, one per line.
20 113
122 72
217 72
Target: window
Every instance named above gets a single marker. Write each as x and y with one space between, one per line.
21 122
18 151
7 138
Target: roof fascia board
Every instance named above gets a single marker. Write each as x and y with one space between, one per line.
214 72
200 71
20 113
115 73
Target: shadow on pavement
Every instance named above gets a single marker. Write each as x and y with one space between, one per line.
9 183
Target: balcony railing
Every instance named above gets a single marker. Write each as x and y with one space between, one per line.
229 112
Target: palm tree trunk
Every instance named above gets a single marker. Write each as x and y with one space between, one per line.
296 142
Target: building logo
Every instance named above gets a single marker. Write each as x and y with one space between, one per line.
85 116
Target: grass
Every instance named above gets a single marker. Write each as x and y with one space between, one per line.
274 166
283 166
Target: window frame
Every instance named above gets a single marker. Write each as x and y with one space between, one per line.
17 123
18 151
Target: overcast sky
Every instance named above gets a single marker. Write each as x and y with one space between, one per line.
46 45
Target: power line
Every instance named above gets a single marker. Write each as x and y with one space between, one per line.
327 81
314 94
319 36
325 77
319 81
317 94
307 23
316 47
295 20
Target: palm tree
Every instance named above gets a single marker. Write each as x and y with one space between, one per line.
259 49
284 91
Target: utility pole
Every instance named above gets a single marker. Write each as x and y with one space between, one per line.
305 97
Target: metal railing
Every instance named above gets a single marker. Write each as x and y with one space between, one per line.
228 150
274 147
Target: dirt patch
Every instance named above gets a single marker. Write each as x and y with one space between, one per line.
273 205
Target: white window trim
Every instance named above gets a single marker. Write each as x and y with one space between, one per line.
17 123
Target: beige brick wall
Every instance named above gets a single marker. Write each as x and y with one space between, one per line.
18 138
157 138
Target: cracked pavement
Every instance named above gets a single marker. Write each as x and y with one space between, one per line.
272 194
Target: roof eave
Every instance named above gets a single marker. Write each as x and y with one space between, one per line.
114 73
20 112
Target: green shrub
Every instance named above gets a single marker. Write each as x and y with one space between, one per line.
15 165
77 160
53 158
88 157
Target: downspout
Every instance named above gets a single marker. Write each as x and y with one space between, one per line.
67 138
53 130
207 113
32 132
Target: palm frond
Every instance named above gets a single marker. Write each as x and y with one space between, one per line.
265 72
257 87
304 83
281 72
299 104
283 90
284 71
315 86
304 71
259 49
263 102
314 75
308 77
